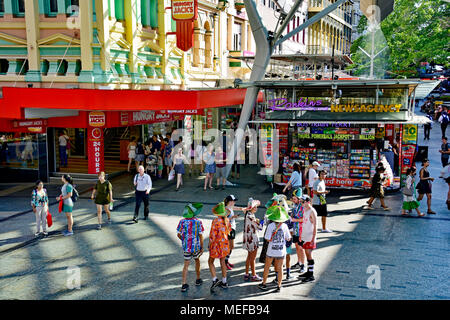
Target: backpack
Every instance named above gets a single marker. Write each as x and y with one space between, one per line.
445 118
75 195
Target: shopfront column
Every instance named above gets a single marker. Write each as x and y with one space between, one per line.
32 29
86 39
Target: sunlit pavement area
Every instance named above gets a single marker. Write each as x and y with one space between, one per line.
370 254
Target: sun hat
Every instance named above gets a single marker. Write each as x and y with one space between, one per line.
220 209
252 204
277 214
276 199
192 209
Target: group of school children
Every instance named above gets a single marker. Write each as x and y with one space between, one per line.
289 230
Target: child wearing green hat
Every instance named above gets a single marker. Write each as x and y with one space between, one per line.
277 234
219 246
190 232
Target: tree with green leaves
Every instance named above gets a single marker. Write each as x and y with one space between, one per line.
416 31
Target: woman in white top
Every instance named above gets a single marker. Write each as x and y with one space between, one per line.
131 151
312 177
409 193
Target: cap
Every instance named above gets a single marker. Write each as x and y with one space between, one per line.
305 197
315 163
231 198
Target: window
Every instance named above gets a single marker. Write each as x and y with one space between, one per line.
2 8
4 66
18 8
237 34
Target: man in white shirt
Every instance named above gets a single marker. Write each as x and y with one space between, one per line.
319 201
63 140
143 185
312 177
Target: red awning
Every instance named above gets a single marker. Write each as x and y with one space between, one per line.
15 100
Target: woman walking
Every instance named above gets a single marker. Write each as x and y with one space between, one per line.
210 166
377 189
66 194
219 246
409 193
277 234
39 202
295 181
179 160
424 185
251 239
103 196
131 151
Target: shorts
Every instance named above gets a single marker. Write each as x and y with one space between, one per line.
291 250
190 255
321 210
309 245
232 234
295 239
67 208
220 172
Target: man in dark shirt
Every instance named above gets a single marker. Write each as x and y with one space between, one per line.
445 151
156 144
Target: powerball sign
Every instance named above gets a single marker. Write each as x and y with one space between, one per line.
184 9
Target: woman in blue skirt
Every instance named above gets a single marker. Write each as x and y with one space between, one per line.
210 166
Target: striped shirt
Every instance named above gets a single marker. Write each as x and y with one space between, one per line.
297 213
190 231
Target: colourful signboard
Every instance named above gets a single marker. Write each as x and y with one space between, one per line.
410 134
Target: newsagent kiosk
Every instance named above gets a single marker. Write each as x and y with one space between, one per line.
347 126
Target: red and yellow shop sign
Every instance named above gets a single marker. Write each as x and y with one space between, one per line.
183 10
97 119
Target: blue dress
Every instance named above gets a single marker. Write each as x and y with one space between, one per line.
179 166
210 163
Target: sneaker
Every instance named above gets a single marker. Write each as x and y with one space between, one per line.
302 269
295 266
45 233
262 286
256 278
67 233
304 275
288 276
198 282
387 209
215 283
275 281
109 221
308 279
99 227
184 287
370 208
246 277
278 289
223 285
135 220
327 231
37 234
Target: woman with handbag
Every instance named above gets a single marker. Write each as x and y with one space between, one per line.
409 193
102 193
39 202
424 185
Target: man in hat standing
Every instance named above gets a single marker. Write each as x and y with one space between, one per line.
219 246
190 232
277 234
308 238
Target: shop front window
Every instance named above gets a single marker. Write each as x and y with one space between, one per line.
18 151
